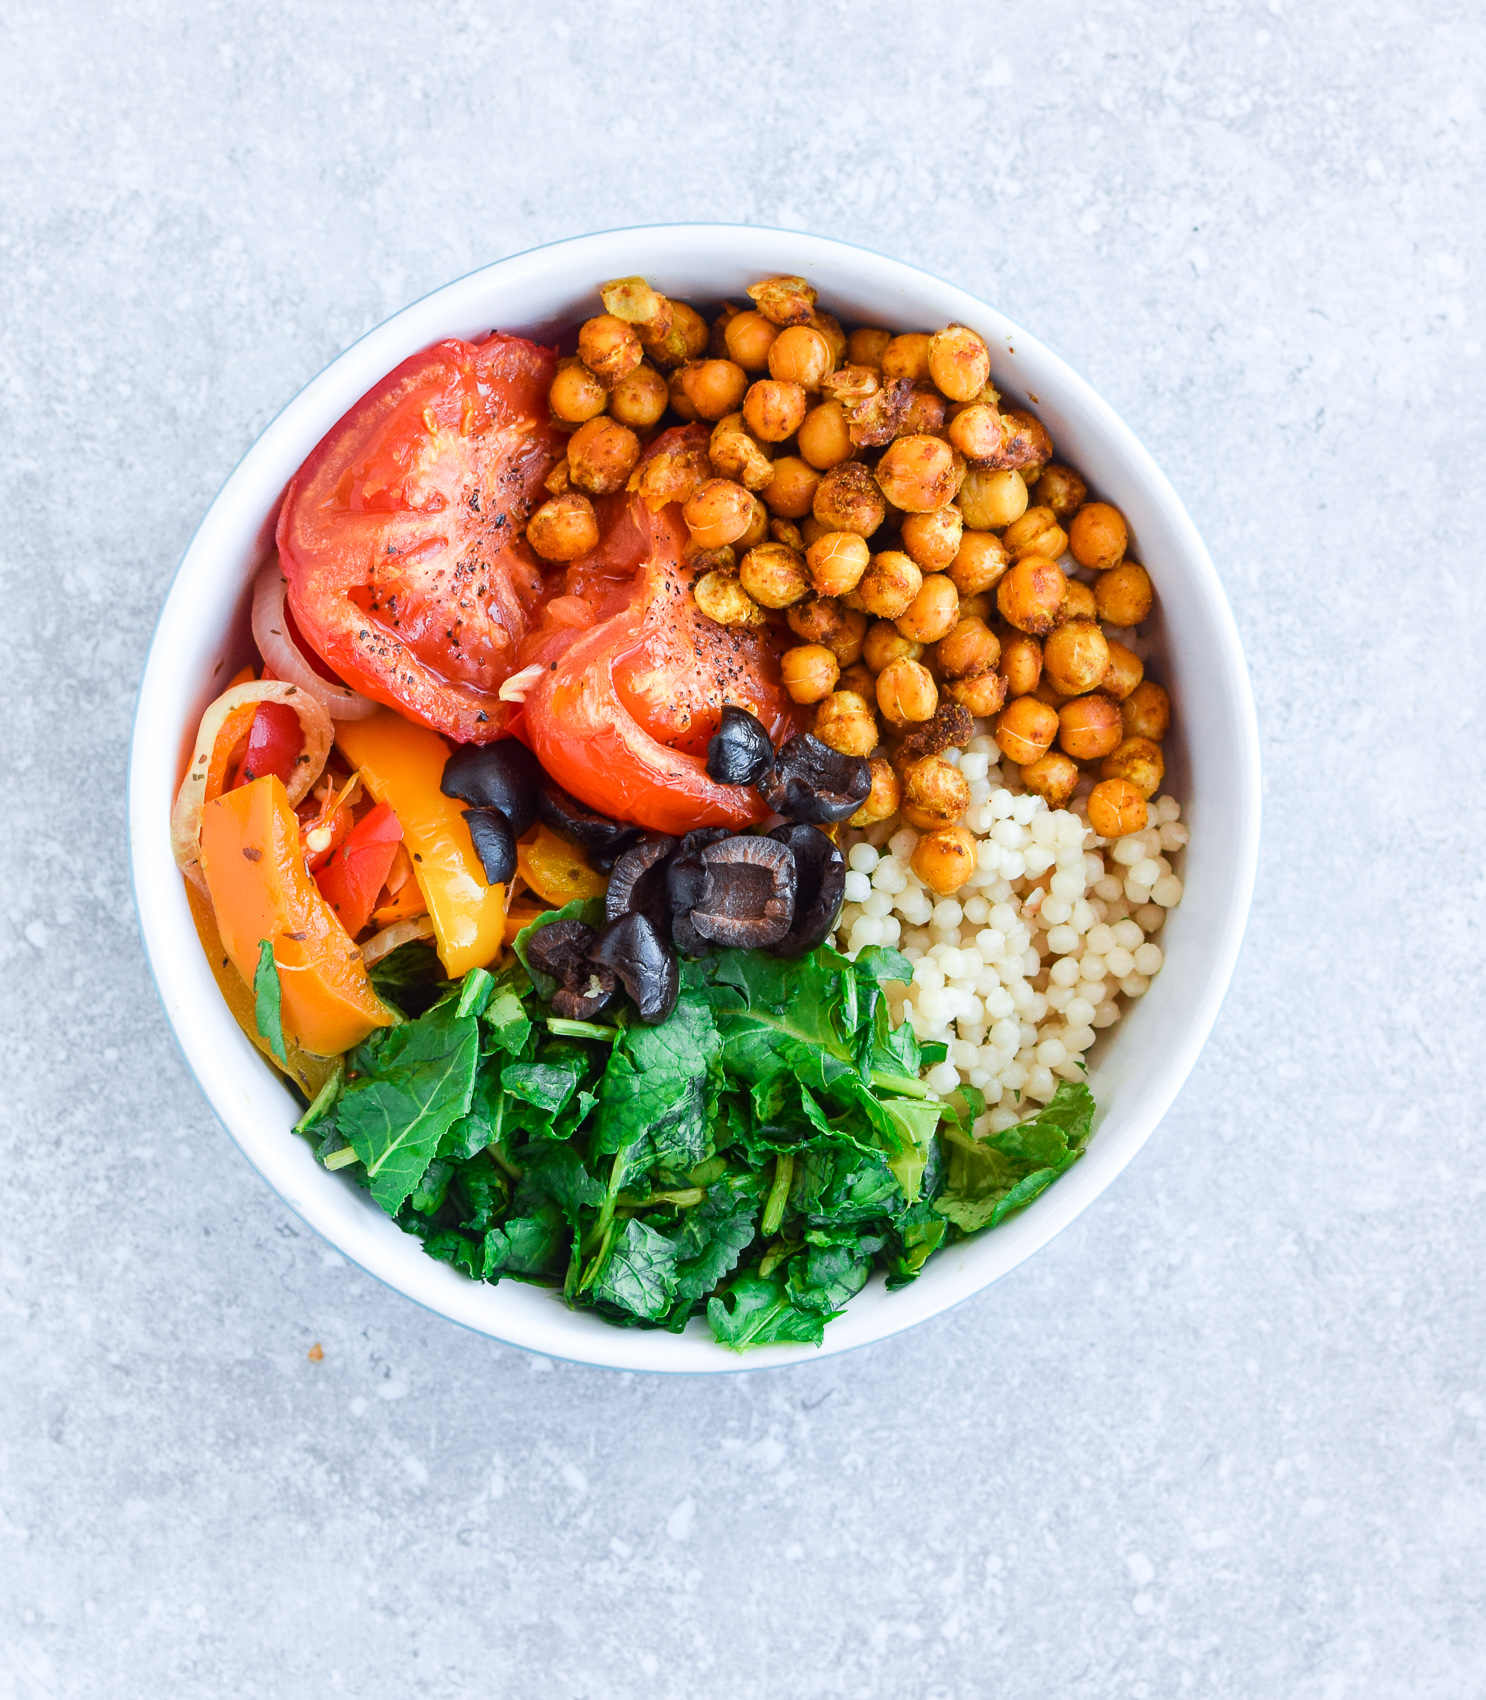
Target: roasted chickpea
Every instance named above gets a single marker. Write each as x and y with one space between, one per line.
889 584
959 362
825 438
907 357
758 527
978 607
1098 536
800 355
717 337
723 560
721 598
1075 656
816 619
634 301
639 398
829 327
884 797
774 410
846 645
714 388
981 693
719 512
609 348
970 648
837 562
1116 809
684 338
924 416
859 677
933 539
1078 603
934 793
866 347
1123 594
1122 677
774 576
812 530
979 435
933 612
783 300
749 337
848 499
1021 664
786 531
1146 711
885 644
918 474
1089 727
809 673
1052 777
601 455
792 489
980 563
564 528
680 400
1025 730
1037 532
945 859
576 395
734 454
1049 693
992 499
1030 594
1033 447
846 722
906 692
1139 762
1061 489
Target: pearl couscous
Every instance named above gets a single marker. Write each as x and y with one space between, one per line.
1043 946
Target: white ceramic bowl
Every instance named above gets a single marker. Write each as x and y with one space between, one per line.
1213 753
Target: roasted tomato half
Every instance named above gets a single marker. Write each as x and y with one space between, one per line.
401 535
635 677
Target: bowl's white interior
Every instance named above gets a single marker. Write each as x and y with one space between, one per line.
1213 755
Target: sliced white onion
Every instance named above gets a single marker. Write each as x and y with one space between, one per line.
283 656
185 817
516 687
399 933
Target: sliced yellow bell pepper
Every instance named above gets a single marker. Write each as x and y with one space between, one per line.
308 1072
260 889
402 764
554 868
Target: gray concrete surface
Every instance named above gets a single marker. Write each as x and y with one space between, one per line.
1224 1437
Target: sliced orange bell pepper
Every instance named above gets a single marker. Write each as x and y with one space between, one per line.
306 1070
260 889
402 764
554 867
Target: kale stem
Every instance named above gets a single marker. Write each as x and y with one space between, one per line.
324 1098
581 1029
784 1173
903 1083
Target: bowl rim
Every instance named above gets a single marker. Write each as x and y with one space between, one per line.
598 1344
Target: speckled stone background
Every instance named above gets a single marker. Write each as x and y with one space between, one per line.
1224 1437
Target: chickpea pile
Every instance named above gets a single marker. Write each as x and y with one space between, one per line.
868 493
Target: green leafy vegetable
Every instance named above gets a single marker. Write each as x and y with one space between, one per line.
752 1158
267 997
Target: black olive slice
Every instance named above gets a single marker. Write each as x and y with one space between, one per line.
503 775
820 887
585 989
739 752
638 882
815 784
686 877
494 842
639 955
748 897
602 840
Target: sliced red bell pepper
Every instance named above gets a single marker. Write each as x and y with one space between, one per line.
274 743
357 869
